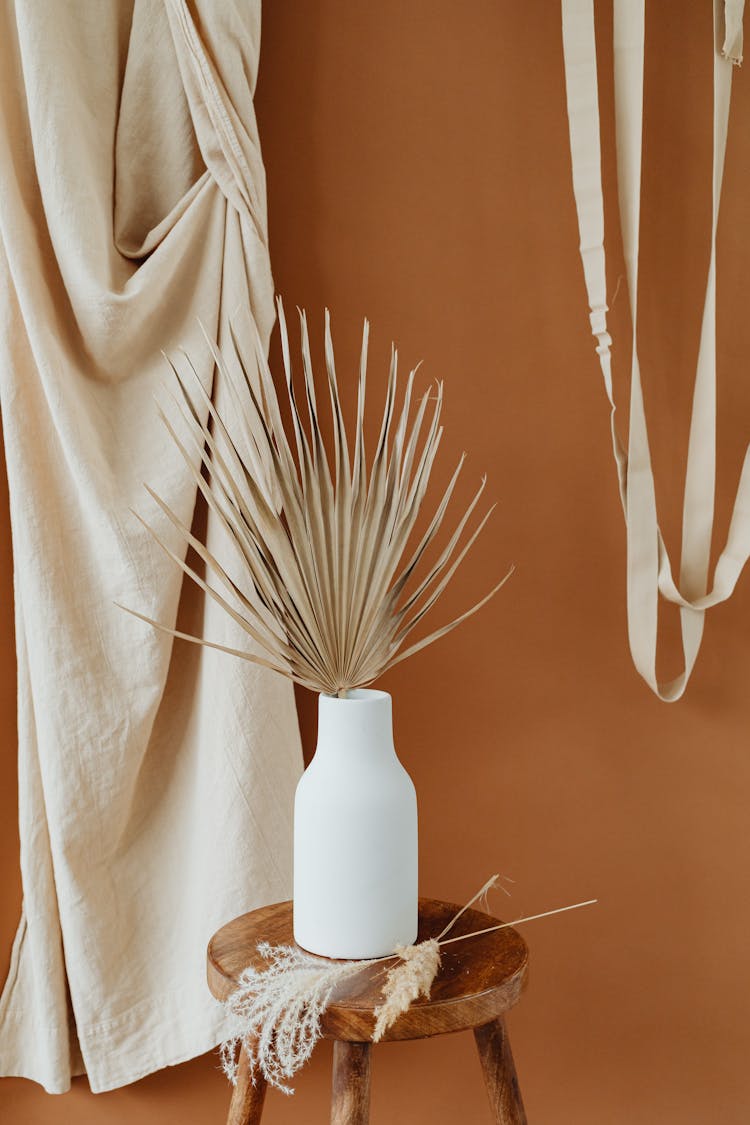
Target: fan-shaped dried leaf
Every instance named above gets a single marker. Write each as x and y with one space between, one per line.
320 541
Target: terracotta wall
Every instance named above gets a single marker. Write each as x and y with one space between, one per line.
418 173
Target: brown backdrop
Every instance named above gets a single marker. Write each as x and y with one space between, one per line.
418 172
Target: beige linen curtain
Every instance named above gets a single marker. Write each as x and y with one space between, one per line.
155 779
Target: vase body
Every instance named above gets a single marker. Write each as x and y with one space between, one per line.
355 835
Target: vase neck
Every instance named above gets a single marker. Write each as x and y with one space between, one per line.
358 726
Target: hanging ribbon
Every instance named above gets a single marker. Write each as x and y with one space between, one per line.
732 48
649 571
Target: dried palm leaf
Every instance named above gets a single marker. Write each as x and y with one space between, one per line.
327 596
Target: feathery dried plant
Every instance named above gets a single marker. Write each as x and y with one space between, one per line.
411 977
275 1012
335 599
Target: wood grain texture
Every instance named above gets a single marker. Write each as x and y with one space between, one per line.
350 1098
479 979
500 1073
246 1107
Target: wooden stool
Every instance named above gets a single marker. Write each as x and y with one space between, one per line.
479 980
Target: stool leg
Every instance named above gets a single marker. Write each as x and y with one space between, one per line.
248 1097
350 1104
500 1073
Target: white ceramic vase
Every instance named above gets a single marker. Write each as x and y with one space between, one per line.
355 835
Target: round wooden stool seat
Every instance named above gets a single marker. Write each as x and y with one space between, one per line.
479 980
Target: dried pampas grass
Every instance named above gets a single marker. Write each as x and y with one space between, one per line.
331 592
276 1012
411 978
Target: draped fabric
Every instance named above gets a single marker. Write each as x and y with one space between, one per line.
649 569
155 779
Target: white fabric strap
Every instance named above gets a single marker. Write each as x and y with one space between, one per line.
732 48
648 564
